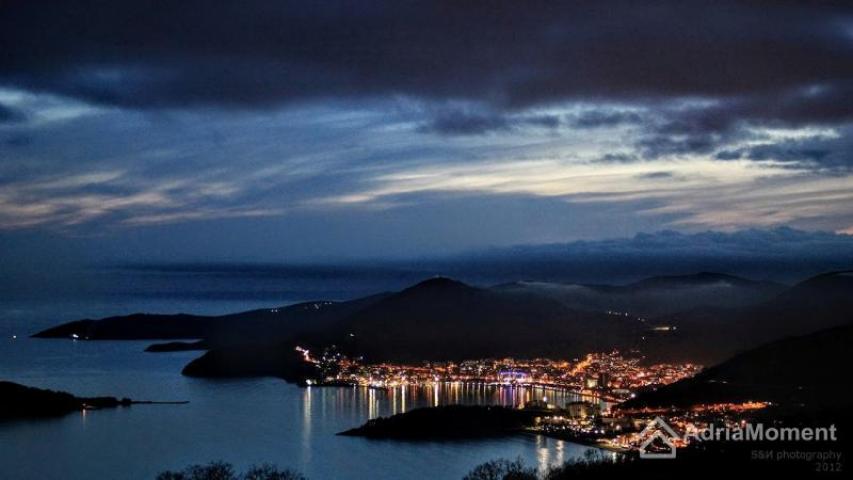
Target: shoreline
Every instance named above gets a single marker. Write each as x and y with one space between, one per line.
544 386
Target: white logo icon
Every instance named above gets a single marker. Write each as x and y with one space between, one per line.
657 432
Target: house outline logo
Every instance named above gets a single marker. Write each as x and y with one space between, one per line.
658 429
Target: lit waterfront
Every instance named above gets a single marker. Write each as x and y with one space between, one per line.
572 400
402 398
610 376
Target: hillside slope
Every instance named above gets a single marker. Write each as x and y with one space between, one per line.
808 370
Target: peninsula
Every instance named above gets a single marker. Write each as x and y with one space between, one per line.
20 401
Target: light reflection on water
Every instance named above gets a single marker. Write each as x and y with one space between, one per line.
400 399
242 421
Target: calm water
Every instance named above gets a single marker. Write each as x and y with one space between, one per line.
239 421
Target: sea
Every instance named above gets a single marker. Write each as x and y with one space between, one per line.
240 421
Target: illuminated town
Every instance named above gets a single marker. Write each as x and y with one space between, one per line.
613 377
600 380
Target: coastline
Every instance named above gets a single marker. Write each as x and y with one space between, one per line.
19 401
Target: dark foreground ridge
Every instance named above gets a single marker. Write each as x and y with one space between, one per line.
20 401
805 371
453 421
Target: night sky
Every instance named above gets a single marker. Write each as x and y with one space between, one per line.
301 131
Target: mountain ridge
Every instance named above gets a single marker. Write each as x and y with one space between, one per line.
445 319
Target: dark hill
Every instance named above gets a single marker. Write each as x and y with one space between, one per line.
442 319
832 290
138 326
710 335
654 296
261 360
245 327
447 422
439 319
809 370
19 401
437 286
819 302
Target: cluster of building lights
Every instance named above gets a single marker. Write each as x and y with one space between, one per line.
613 376
681 420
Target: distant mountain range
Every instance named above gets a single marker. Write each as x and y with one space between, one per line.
703 317
782 254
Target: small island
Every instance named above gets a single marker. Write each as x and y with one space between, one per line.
20 401
449 422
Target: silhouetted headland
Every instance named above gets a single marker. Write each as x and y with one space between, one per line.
20 401
262 360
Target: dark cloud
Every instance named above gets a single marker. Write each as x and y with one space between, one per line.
276 125
658 145
784 152
466 123
656 175
547 121
708 126
10 115
823 104
823 153
18 141
603 118
618 158
690 75
259 53
476 121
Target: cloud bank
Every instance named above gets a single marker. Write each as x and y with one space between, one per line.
573 119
